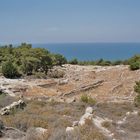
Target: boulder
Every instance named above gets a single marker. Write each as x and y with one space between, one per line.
88 115
69 129
70 100
63 81
40 130
75 123
89 110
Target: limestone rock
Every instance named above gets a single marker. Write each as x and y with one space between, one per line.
63 81
89 110
88 115
6 110
69 129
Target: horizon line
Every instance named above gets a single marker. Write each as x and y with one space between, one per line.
67 43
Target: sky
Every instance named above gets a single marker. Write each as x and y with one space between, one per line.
65 21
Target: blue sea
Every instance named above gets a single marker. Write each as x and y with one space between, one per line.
94 51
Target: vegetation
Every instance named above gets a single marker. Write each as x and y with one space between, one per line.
106 124
137 90
25 60
134 62
59 59
100 62
135 66
9 70
74 61
88 99
51 116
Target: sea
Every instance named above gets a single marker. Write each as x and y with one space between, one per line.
93 51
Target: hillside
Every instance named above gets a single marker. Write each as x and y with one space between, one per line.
55 103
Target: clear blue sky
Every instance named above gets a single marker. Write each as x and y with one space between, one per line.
45 21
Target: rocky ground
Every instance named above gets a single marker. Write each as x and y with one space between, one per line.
55 103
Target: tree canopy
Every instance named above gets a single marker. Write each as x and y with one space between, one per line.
26 60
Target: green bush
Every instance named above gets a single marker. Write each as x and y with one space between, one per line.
137 90
135 65
88 99
84 98
134 62
59 59
117 62
9 70
74 61
91 101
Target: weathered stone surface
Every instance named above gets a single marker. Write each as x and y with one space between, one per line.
89 110
63 81
6 110
87 116
69 129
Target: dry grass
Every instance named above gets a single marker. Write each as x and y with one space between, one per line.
45 115
106 124
6 100
32 135
86 132
55 117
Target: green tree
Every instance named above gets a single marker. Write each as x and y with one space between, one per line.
29 64
28 60
59 59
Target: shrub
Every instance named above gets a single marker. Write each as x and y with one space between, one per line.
74 61
135 66
9 70
88 99
84 98
59 59
118 62
91 101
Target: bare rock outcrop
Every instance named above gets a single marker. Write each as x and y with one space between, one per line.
87 116
6 110
10 133
84 88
